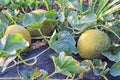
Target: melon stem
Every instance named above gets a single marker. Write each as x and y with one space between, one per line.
42 35
29 59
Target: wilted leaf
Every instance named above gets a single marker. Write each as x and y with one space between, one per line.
113 53
85 66
66 65
99 66
63 41
44 74
4 62
36 45
9 44
35 73
115 69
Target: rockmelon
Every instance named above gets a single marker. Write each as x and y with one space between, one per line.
92 43
46 29
14 29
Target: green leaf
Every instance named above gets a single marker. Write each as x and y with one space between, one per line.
62 3
1 68
12 43
25 75
84 22
75 3
63 41
61 17
104 72
66 65
49 4
109 17
102 5
30 1
3 18
14 6
3 53
51 14
4 2
113 53
33 20
11 17
73 18
3 27
19 2
115 69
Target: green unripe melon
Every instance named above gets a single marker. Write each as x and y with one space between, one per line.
46 29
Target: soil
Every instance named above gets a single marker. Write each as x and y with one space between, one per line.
45 62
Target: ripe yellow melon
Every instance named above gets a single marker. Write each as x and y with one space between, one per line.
46 29
91 43
14 29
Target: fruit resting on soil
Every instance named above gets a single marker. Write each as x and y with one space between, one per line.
91 43
14 29
46 29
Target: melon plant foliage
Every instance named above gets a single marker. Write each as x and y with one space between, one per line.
70 19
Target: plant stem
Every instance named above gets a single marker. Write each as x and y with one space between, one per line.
67 78
110 30
42 35
105 77
42 52
51 75
23 61
81 6
23 10
73 76
112 10
46 4
10 18
46 37
33 58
